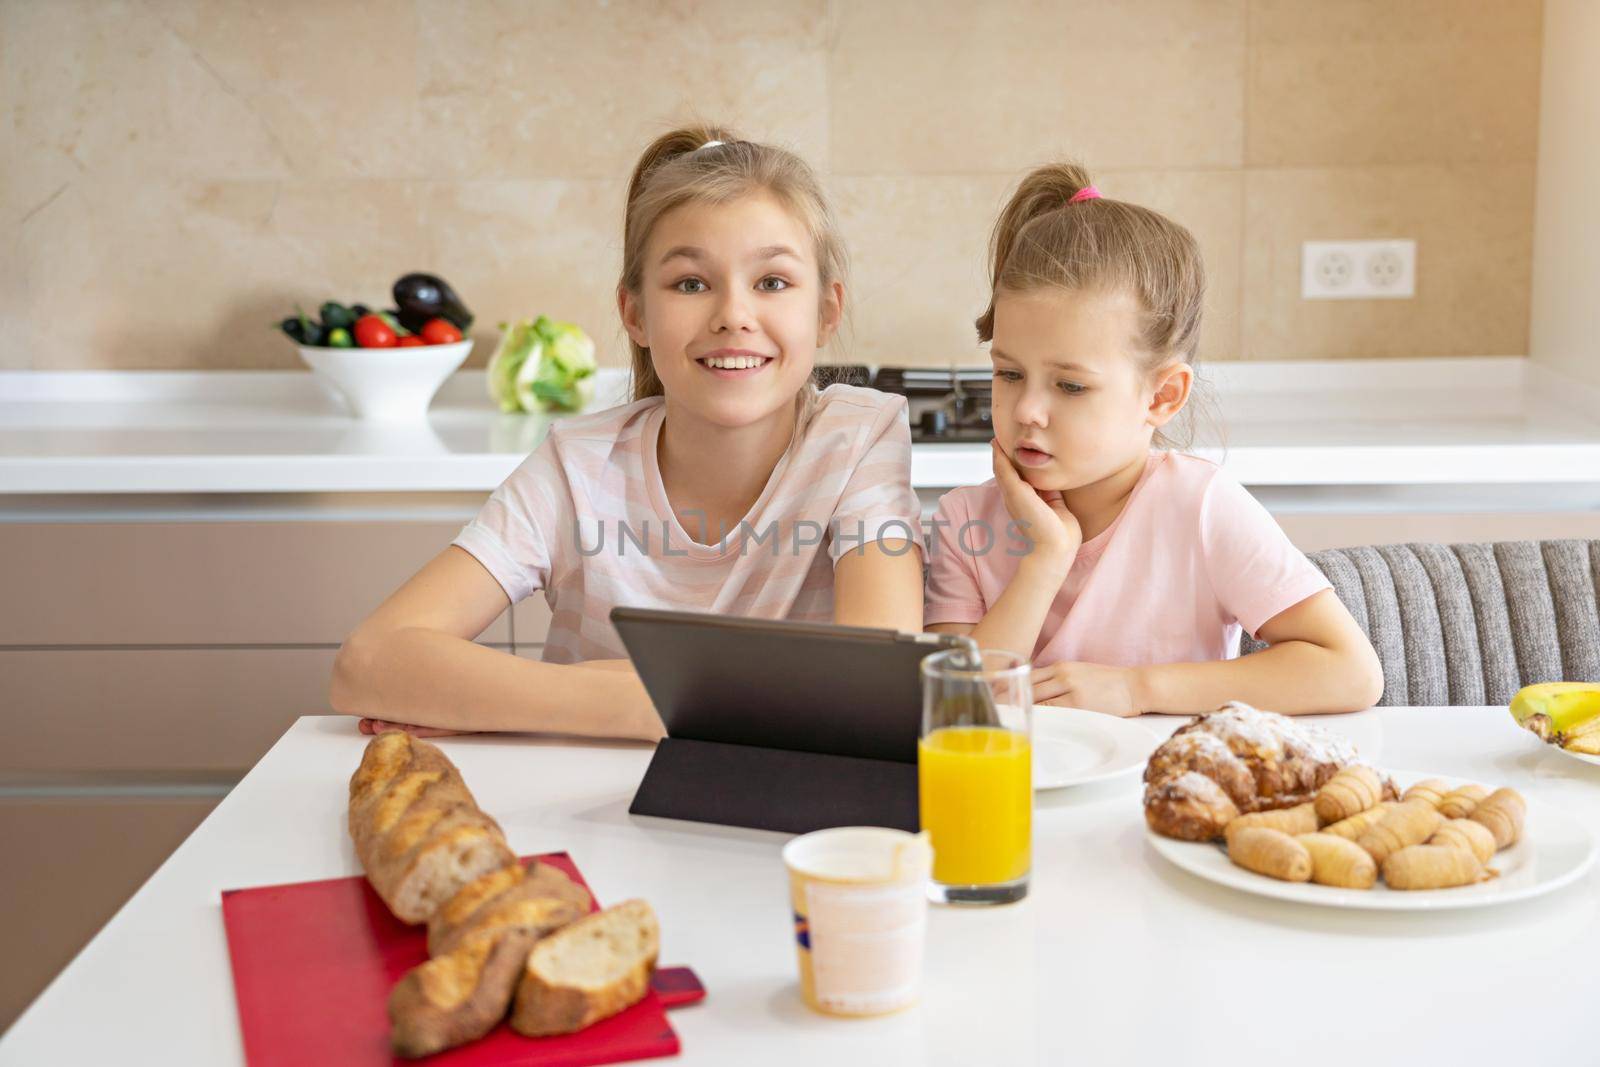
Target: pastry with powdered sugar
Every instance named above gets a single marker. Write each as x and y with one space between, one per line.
1235 761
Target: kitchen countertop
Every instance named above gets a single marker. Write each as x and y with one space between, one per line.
1494 422
1114 957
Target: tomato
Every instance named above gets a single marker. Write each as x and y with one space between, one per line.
411 340
440 332
372 332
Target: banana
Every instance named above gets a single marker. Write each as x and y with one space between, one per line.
1561 713
1588 745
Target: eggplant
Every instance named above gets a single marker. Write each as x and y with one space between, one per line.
425 296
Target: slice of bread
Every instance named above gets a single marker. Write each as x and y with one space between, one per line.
587 971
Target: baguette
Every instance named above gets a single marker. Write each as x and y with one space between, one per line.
587 971
418 832
457 997
538 900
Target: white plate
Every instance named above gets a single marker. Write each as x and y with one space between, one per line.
1578 755
1555 849
1575 755
1074 747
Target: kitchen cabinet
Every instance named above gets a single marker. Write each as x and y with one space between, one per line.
152 708
206 583
144 667
71 862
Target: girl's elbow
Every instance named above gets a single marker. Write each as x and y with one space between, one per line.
352 667
1368 679
1374 690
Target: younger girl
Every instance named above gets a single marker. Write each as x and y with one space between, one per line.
1126 573
729 485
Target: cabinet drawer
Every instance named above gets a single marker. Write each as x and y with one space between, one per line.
207 583
154 709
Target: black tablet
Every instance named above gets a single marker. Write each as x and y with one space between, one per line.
803 686
778 724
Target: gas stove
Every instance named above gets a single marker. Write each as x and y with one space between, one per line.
949 404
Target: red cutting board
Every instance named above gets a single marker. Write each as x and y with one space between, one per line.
313 964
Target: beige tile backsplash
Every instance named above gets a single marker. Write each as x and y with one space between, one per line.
941 88
1378 82
174 174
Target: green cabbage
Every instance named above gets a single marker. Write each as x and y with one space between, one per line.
542 365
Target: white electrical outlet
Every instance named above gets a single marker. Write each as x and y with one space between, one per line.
1358 270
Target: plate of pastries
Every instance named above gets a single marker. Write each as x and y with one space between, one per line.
1261 803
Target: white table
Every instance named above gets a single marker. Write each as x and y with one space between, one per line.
1114 957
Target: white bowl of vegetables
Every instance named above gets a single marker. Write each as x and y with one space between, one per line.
387 384
381 369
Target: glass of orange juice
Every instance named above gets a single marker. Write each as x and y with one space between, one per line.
975 774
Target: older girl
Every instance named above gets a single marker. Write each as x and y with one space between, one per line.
730 484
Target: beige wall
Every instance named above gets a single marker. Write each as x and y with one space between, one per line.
1566 265
178 172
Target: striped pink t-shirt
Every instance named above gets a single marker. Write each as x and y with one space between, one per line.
586 519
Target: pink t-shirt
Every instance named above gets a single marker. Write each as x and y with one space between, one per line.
1191 559
586 519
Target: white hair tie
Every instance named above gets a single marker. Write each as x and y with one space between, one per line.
708 144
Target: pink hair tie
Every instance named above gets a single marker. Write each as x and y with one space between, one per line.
1088 192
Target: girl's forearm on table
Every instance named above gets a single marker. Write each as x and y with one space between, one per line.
1018 615
1292 677
429 678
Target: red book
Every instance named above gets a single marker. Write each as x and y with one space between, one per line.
313 964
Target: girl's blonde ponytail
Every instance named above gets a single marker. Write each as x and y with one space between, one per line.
1044 190
1050 237
1043 239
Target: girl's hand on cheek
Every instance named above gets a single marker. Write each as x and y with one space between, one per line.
1112 690
381 726
1043 513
